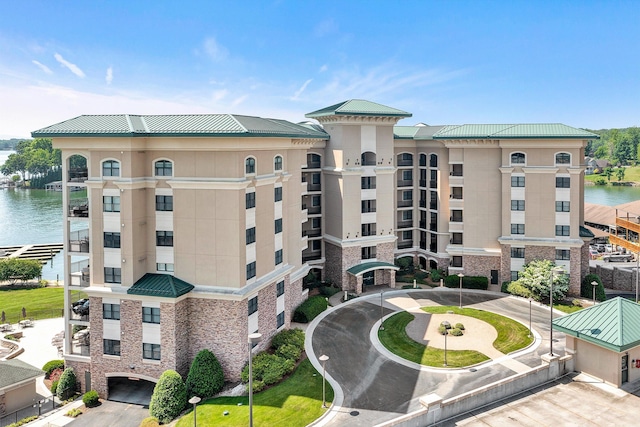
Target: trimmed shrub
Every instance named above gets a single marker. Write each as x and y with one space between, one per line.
455 332
308 310
267 369
52 365
169 397
504 287
23 421
67 385
91 399
288 336
586 288
459 326
289 351
150 422
205 376
516 288
73 412
442 330
54 387
468 282
411 287
435 275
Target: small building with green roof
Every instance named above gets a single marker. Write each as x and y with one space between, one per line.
605 340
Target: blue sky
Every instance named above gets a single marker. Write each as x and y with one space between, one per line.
447 62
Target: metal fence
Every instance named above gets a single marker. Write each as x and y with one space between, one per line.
38 408
15 316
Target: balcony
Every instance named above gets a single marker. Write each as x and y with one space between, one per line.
433 183
314 210
405 203
423 183
80 275
423 203
78 174
314 187
405 244
619 241
423 244
311 256
405 162
80 342
79 241
314 232
405 183
79 208
423 224
405 224
313 165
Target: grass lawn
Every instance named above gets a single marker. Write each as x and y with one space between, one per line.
40 303
567 308
394 337
296 401
512 335
631 173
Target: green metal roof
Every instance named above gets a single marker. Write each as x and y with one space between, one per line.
160 285
358 107
613 324
369 266
209 125
14 371
585 232
514 131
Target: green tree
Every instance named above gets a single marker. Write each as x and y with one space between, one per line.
608 172
205 376
14 269
536 276
66 385
169 397
620 174
15 163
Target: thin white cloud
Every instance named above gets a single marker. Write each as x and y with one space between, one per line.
239 100
299 91
109 76
219 95
323 68
214 50
72 67
43 67
326 27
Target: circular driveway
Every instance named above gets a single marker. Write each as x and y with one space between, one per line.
374 386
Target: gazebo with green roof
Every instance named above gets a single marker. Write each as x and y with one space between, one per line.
605 340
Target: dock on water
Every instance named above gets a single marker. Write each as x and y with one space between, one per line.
42 252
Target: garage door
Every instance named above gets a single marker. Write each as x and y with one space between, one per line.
130 390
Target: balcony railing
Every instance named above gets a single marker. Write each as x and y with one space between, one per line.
423 224
405 162
423 203
79 241
314 232
405 203
312 257
80 343
79 208
313 165
423 244
405 183
423 183
433 205
314 187
405 224
433 183
619 241
405 244
80 273
314 210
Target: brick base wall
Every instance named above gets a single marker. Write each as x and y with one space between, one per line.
475 265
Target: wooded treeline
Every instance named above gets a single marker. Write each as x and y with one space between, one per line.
35 156
619 146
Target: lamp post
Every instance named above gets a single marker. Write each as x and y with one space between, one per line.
381 310
253 340
559 270
194 401
460 275
595 285
446 332
529 317
323 359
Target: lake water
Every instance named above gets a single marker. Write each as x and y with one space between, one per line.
35 216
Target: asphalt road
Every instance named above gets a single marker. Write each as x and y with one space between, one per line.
377 389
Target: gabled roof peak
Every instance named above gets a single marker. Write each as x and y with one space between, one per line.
358 107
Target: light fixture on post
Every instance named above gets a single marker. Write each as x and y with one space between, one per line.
460 275
529 318
381 310
194 401
595 285
446 332
323 359
253 340
559 271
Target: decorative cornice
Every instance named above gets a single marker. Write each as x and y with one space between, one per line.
360 241
537 241
540 169
209 184
356 119
506 169
470 143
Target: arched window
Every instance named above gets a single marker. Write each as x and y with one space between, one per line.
433 161
163 168
518 159
277 163
111 168
368 159
405 159
313 161
563 159
250 165
423 159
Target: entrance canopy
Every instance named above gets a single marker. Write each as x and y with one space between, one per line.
365 267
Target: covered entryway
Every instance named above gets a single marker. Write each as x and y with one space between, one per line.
130 390
372 273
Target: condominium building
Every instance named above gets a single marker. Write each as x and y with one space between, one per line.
198 230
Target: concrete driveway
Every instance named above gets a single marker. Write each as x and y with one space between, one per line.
376 388
112 414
